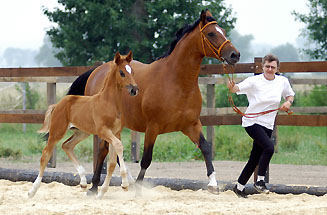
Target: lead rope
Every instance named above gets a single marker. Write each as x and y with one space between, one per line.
237 110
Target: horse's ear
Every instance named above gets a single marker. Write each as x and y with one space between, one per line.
203 16
129 57
117 58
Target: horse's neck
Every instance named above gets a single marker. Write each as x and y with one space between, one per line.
186 59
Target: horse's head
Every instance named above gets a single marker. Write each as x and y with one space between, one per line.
125 74
214 42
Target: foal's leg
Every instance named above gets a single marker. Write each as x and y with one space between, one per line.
196 136
68 146
119 149
46 155
111 167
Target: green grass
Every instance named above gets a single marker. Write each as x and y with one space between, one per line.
296 145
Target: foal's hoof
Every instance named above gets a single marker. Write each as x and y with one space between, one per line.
124 188
213 189
30 194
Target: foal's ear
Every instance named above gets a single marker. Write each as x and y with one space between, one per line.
117 58
129 57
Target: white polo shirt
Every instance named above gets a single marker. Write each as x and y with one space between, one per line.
264 95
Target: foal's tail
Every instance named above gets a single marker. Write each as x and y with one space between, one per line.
47 120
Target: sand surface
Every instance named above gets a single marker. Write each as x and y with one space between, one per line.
56 198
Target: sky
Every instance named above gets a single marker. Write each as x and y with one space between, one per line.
23 24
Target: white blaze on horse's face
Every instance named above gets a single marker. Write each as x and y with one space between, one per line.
221 32
128 69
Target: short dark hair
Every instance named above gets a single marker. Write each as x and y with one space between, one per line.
270 58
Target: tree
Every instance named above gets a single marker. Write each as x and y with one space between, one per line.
89 31
16 57
316 28
46 55
243 44
286 52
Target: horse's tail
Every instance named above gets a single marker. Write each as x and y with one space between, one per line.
47 120
78 86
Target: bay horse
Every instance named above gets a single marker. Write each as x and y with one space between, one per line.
169 97
99 114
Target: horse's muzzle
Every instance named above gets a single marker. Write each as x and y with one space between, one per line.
132 89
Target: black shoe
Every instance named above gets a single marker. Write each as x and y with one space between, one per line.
240 194
260 186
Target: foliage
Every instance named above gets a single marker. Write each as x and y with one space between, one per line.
9 152
227 147
286 52
16 57
243 44
89 31
231 143
290 144
316 97
46 55
221 92
32 95
316 28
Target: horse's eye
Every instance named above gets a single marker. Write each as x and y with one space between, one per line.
121 73
211 34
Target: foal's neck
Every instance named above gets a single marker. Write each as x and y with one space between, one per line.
111 91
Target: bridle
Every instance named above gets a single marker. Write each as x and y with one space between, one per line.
204 39
217 52
237 110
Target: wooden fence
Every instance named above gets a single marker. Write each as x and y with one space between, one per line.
210 116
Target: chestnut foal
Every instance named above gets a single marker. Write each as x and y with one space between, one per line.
99 114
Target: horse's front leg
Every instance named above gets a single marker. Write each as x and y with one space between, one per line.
195 134
68 146
149 140
101 155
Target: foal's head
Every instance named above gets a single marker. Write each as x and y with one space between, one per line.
124 73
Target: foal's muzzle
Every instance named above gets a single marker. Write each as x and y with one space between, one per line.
132 89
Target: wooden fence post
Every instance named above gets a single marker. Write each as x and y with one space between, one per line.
51 99
135 146
211 129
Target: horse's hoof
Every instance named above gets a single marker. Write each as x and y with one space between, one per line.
213 189
91 193
83 186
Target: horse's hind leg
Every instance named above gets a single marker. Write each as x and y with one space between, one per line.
194 132
46 155
68 146
111 167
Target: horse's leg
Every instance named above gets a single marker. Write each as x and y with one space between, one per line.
194 132
149 140
111 167
101 155
46 155
68 146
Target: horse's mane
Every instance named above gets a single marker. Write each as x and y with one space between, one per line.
181 32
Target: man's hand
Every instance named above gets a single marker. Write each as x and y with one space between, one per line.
285 106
